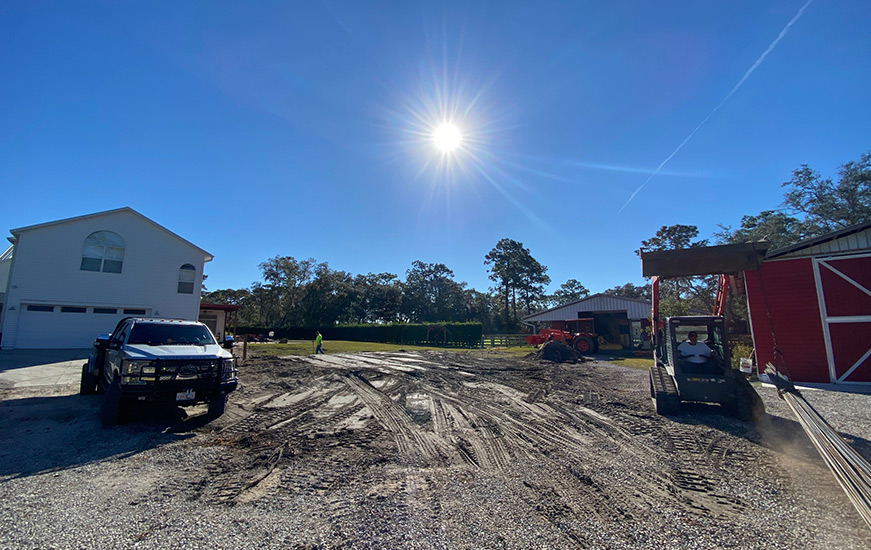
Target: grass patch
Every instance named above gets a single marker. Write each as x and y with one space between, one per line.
304 347
641 363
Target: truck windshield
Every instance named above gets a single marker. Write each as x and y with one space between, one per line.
160 334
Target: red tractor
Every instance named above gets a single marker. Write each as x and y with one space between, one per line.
577 333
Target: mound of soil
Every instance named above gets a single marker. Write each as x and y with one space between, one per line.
558 352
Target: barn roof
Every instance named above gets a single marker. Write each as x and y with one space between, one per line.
850 239
634 307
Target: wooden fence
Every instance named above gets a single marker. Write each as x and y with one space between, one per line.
503 340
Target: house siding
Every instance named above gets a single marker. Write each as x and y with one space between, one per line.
46 269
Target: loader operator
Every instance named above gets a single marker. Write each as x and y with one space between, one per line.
692 350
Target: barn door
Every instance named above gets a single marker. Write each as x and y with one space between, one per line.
844 293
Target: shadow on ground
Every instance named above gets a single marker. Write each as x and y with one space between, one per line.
21 358
51 433
777 433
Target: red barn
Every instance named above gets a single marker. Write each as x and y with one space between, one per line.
810 309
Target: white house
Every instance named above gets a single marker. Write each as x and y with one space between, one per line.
71 279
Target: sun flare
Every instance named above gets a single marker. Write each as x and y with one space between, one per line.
447 137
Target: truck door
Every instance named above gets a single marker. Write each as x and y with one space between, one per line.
114 353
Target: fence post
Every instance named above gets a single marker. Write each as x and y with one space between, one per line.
245 349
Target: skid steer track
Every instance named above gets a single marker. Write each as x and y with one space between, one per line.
663 392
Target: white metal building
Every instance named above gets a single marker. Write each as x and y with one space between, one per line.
71 279
618 320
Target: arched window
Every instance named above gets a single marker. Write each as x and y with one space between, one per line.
186 276
103 251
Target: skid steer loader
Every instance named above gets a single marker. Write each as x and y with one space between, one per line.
674 378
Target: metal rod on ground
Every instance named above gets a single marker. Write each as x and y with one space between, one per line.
851 470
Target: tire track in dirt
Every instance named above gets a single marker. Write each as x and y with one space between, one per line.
440 414
534 424
410 441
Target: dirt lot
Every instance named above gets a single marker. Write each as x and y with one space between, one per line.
419 450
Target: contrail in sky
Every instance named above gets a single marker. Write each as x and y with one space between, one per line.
725 99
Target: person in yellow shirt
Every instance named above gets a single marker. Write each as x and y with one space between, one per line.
318 340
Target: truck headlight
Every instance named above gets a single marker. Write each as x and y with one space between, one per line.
228 368
134 367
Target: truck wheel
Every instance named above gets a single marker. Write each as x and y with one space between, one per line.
110 412
217 406
88 384
583 345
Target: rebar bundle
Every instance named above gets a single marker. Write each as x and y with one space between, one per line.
851 470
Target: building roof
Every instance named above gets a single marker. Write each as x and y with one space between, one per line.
850 239
127 209
7 254
636 308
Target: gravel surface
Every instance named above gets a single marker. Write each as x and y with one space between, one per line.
423 450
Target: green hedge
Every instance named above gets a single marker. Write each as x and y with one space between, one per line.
464 335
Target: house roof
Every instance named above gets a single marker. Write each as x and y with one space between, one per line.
7 254
599 301
127 209
861 242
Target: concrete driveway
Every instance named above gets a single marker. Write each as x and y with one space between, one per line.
41 367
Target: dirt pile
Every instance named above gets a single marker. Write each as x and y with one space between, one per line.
557 352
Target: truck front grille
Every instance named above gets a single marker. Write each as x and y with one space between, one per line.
188 369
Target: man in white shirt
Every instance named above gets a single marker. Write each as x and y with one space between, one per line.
692 350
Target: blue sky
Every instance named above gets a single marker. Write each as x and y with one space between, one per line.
256 129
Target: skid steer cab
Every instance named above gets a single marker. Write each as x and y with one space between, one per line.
699 369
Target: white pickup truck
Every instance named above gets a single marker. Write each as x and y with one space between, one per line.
160 361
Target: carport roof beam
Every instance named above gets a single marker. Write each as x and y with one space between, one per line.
707 260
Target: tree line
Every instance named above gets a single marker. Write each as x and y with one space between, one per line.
306 293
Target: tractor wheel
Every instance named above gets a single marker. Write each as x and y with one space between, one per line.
584 345
110 412
88 384
217 406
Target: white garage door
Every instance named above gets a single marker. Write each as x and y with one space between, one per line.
60 327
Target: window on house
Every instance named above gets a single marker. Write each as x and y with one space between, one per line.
134 312
33 307
187 274
70 309
103 251
107 310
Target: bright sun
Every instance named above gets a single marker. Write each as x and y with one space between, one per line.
447 137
